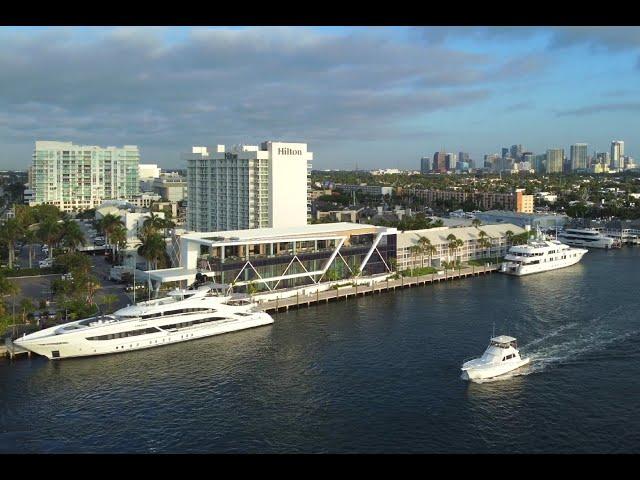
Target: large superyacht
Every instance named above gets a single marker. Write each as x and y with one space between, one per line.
185 314
539 255
586 237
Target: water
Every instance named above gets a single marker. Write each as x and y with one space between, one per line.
376 374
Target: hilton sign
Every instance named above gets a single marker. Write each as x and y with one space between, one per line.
288 151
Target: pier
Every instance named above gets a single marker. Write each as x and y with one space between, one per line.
389 285
11 350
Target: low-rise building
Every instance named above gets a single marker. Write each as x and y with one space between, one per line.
516 201
276 258
366 189
471 249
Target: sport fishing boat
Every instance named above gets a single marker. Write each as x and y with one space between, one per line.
185 314
500 357
586 237
539 255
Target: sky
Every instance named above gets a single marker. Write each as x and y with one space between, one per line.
375 97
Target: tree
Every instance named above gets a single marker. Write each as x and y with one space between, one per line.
108 224
108 300
484 241
424 244
26 307
476 222
152 249
415 250
10 233
30 238
119 237
509 235
453 243
72 235
48 232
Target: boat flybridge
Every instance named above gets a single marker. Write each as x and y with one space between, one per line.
539 255
500 357
184 314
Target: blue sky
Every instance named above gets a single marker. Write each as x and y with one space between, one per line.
375 96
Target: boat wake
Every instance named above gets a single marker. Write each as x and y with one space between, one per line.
570 342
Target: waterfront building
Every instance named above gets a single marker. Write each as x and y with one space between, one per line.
276 258
471 248
485 200
78 177
544 221
617 152
578 155
248 186
426 165
555 160
375 190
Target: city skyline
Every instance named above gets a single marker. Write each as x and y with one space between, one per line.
375 96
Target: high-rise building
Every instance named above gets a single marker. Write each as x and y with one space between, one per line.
617 152
505 152
578 155
463 157
439 162
248 186
450 161
77 177
540 163
426 165
516 152
555 160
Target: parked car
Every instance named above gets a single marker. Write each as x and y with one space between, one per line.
46 263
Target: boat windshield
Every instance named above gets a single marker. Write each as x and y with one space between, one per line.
503 344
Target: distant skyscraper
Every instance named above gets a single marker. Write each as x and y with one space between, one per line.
450 160
463 157
516 152
578 156
617 152
426 165
505 152
555 160
540 163
439 162
527 157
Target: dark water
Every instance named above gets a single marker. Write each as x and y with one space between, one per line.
377 374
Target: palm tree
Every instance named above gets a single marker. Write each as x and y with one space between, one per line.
484 242
108 224
476 222
30 238
451 238
415 250
509 235
424 244
72 235
152 249
10 233
49 232
119 238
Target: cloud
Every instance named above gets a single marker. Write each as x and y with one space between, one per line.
148 86
601 108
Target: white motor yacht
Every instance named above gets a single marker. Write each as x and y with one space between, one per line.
500 357
539 255
586 237
185 314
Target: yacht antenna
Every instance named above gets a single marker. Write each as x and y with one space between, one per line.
494 330
134 284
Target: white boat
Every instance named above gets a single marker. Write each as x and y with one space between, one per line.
500 357
185 314
586 237
540 255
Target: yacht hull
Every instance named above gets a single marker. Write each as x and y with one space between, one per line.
57 347
480 373
520 270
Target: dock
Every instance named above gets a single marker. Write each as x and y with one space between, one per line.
389 285
11 350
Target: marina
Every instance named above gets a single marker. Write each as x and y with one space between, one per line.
377 373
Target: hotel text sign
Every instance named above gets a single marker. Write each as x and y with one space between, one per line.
288 151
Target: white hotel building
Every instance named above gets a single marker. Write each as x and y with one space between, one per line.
248 186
